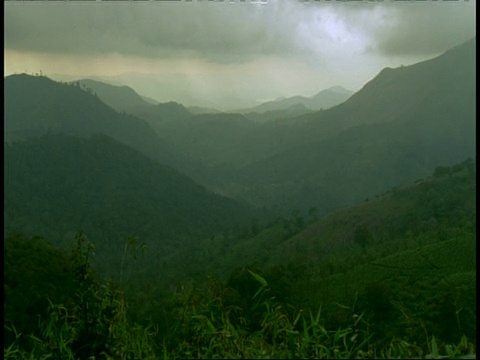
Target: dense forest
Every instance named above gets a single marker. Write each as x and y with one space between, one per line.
401 283
136 230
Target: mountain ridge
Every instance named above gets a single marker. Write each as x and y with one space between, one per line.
323 99
385 134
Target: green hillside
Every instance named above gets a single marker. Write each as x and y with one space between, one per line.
412 248
57 185
432 208
36 105
112 251
397 129
124 99
392 277
120 98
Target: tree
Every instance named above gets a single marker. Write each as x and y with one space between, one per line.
363 236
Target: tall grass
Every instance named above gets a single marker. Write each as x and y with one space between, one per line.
206 325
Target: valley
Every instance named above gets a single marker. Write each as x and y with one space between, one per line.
156 229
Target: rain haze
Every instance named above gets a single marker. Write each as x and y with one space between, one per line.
229 54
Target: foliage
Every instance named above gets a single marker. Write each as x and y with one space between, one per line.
92 322
212 321
206 328
57 183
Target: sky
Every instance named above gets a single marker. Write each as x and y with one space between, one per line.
229 54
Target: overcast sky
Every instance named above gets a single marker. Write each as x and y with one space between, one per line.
230 54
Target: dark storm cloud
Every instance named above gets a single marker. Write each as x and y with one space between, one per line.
222 31
426 28
406 28
223 51
225 32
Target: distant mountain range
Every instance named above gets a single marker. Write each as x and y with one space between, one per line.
397 128
125 99
120 98
370 205
322 100
36 105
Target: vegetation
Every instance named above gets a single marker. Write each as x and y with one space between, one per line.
396 129
410 296
182 272
84 318
95 185
92 323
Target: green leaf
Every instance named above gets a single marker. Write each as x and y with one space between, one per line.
260 279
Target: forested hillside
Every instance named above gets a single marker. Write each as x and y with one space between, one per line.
124 99
36 105
392 277
396 129
56 185
142 231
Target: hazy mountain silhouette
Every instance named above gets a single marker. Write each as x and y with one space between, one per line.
125 99
396 129
120 98
198 110
36 105
289 112
322 100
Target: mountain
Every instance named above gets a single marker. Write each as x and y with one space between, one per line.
396 129
36 105
213 139
197 110
270 115
431 205
322 100
56 185
125 99
150 100
412 249
120 98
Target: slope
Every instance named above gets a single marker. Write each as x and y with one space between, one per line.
56 185
119 98
405 260
444 83
322 100
125 99
395 130
430 206
36 105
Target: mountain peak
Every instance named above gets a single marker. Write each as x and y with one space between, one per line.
339 89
